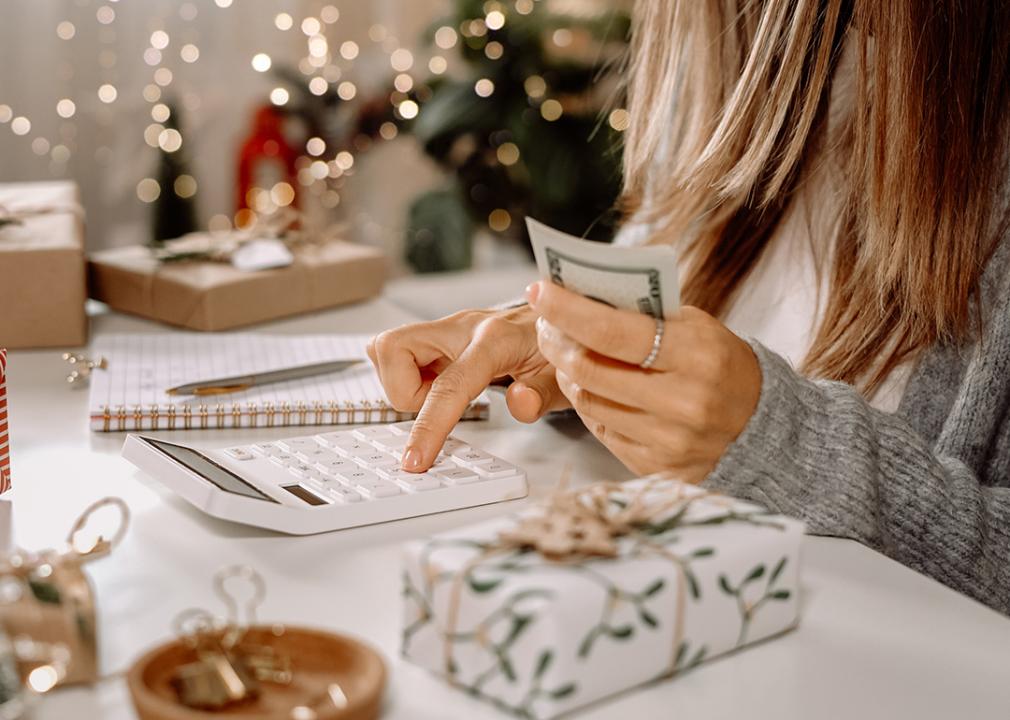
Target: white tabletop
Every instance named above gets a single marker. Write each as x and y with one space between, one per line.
876 640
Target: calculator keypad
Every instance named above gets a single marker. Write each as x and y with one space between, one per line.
363 465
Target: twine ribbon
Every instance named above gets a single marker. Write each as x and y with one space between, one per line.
580 524
17 215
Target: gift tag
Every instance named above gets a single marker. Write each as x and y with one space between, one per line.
261 255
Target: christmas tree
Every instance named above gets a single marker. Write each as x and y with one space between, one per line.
532 129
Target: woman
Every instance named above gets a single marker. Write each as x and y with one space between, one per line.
835 175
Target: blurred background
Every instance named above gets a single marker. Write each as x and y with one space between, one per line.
429 128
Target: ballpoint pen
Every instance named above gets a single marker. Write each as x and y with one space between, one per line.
220 386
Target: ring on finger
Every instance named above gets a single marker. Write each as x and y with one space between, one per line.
657 341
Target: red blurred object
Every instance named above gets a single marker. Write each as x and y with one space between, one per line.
266 157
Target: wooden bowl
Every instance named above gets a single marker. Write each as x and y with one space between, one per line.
318 659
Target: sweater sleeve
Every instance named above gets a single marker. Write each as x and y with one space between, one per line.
816 450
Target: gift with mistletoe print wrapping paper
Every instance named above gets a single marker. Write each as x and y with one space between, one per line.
599 590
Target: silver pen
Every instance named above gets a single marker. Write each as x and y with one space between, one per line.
220 386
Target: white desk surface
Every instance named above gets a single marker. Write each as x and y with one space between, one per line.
876 640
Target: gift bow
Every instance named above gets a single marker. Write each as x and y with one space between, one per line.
584 523
579 524
283 225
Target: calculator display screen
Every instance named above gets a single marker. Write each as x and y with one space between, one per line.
209 470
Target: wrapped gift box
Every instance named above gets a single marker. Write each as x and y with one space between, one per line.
42 266
206 295
539 631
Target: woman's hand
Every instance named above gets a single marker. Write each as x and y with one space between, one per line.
436 368
680 415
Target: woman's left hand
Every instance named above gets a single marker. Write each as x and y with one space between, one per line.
678 416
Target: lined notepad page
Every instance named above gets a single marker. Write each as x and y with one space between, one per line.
130 394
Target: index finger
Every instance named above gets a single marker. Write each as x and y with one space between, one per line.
450 394
617 334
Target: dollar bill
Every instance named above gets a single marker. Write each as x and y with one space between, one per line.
641 279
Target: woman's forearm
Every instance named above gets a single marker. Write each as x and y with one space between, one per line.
818 451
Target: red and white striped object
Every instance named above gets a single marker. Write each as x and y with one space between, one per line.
5 448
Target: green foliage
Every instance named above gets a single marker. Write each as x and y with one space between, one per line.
440 232
568 170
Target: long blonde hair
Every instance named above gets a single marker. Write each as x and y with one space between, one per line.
732 97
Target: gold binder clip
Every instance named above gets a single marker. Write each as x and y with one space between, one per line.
215 679
84 545
83 366
263 662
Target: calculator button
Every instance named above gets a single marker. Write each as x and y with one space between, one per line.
392 472
495 469
452 443
415 483
354 449
370 433
282 458
391 443
470 456
323 480
296 444
335 439
457 476
315 454
336 466
341 493
300 469
239 453
354 477
376 460
266 449
377 488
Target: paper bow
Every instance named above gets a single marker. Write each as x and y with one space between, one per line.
586 522
284 224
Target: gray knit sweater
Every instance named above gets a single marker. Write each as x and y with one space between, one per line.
928 485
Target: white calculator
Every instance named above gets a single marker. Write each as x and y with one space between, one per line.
330 481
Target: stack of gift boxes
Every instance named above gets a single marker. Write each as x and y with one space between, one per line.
45 275
42 287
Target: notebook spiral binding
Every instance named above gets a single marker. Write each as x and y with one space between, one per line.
123 418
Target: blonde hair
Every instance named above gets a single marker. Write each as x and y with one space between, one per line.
728 100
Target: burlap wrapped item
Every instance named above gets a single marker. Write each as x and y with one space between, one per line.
216 296
41 266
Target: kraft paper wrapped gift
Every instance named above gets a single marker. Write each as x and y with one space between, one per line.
41 266
530 613
205 295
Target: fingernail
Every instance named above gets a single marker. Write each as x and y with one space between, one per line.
532 293
411 459
530 392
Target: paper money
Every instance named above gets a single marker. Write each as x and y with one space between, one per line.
641 279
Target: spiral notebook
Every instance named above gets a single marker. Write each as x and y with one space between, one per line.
130 394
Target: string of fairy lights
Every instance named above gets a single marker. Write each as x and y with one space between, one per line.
325 66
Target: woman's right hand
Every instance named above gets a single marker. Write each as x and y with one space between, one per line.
435 369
